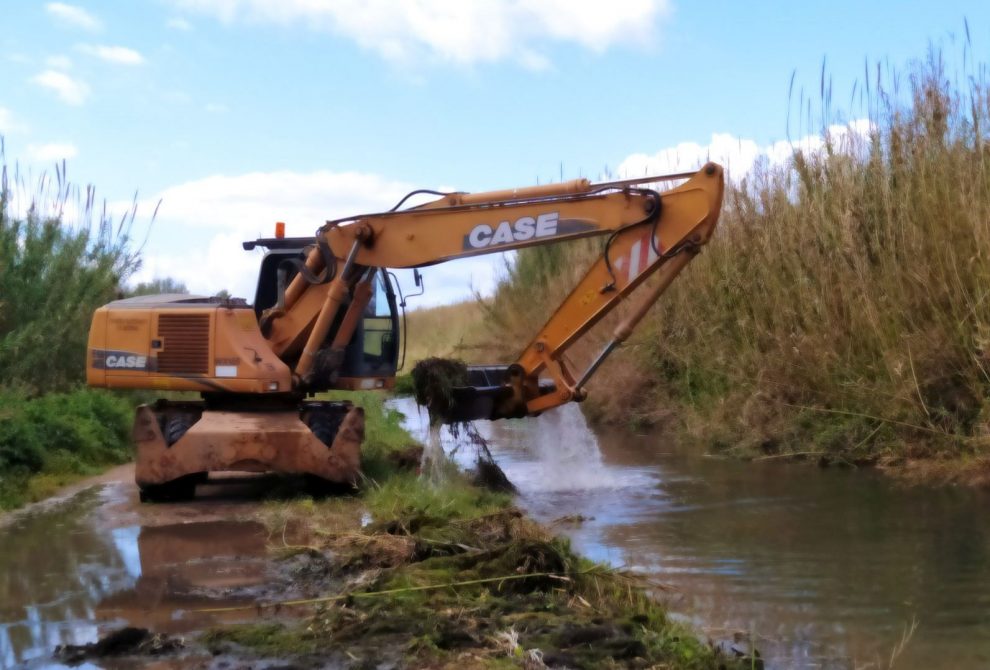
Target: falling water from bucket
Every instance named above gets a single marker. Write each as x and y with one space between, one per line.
434 463
566 455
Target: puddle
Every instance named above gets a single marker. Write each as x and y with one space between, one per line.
67 575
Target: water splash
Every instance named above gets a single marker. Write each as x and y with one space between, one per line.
565 455
434 463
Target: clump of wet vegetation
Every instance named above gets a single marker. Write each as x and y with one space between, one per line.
127 641
434 381
468 581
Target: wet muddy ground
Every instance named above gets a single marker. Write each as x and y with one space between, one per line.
207 584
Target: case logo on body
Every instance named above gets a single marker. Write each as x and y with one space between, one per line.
524 228
132 362
118 360
484 236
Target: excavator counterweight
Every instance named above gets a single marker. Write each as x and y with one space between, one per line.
325 317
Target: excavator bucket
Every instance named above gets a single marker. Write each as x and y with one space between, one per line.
256 441
488 392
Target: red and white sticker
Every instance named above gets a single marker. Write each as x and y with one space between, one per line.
640 256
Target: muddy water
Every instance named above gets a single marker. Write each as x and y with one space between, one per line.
822 569
72 569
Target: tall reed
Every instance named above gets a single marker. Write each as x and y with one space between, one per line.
59 260
844 303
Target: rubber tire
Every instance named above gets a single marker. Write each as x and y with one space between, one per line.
325 427
175 427
177 490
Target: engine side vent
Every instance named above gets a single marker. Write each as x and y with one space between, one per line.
186 343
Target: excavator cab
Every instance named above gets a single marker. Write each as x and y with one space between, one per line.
373 352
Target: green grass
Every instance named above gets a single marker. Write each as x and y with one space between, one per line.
49 441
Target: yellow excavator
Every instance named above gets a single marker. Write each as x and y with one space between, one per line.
325 316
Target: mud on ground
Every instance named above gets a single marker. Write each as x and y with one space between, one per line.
404 576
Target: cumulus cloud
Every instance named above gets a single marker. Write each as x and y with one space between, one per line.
51 152
464 33
70 91
738 155
73 16
113 54
213 215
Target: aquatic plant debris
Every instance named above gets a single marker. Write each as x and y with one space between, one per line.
488 473
434 380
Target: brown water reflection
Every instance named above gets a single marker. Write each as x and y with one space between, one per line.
66 576
825 569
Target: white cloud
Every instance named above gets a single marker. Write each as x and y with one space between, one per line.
59 62
737 155
215 107
251 203
113 54
51 152
70 91
73 15
213 215
179 24
454 30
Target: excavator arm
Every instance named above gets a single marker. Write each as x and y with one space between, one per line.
648 232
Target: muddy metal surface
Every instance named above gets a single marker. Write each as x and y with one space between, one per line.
824 569
72 569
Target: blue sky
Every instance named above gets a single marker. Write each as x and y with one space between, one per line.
237 113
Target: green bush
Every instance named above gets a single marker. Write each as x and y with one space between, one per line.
59 435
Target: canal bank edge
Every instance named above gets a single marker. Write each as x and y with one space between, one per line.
450 576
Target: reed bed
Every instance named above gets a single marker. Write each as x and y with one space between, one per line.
843 307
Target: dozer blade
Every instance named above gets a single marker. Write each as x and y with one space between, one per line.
273 441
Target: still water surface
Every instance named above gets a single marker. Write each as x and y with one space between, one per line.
822 568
